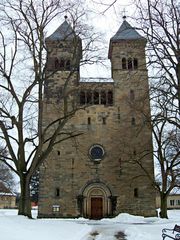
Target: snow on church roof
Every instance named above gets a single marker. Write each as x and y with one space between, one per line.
96 80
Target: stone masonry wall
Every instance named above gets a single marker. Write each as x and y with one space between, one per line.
125 136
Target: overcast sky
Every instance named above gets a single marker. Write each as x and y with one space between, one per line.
108 23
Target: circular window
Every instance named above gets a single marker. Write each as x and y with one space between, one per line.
96 152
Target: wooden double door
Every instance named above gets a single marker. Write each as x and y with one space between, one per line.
96 207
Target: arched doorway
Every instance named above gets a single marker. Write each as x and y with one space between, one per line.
96 202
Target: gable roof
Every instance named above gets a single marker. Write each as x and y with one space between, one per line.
4 190
63 32
126 32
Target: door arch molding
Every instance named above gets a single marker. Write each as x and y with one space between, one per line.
94 191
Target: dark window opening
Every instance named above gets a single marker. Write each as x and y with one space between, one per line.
135 63
56 63
120 162
57 193
82 98
62 63
96 97
89 121
133 121
58 152
136 192
130 63
68 65
104 121
119 115
103 97
110 97
124 63
132 96
89 97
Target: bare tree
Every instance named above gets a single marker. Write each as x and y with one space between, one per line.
6 175
167 154
23 71
160 22
105 5
166 140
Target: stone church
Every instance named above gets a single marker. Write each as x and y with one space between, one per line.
107 168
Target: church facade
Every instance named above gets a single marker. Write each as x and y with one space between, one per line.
107 168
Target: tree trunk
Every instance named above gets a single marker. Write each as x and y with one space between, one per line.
25 200
163 209
178 81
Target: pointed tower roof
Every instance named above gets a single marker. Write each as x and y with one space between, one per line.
63 32
126 32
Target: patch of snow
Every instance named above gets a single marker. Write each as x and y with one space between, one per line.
7 194
96 80
14 227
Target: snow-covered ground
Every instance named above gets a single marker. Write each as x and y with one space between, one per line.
13 227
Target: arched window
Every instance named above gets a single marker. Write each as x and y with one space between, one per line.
124 66
96 97
56 63
89 97
110 97
130 63
135 63
82 99
68 65
103 97
61 65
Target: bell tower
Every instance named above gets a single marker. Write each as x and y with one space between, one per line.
131 99
128 62
64 52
